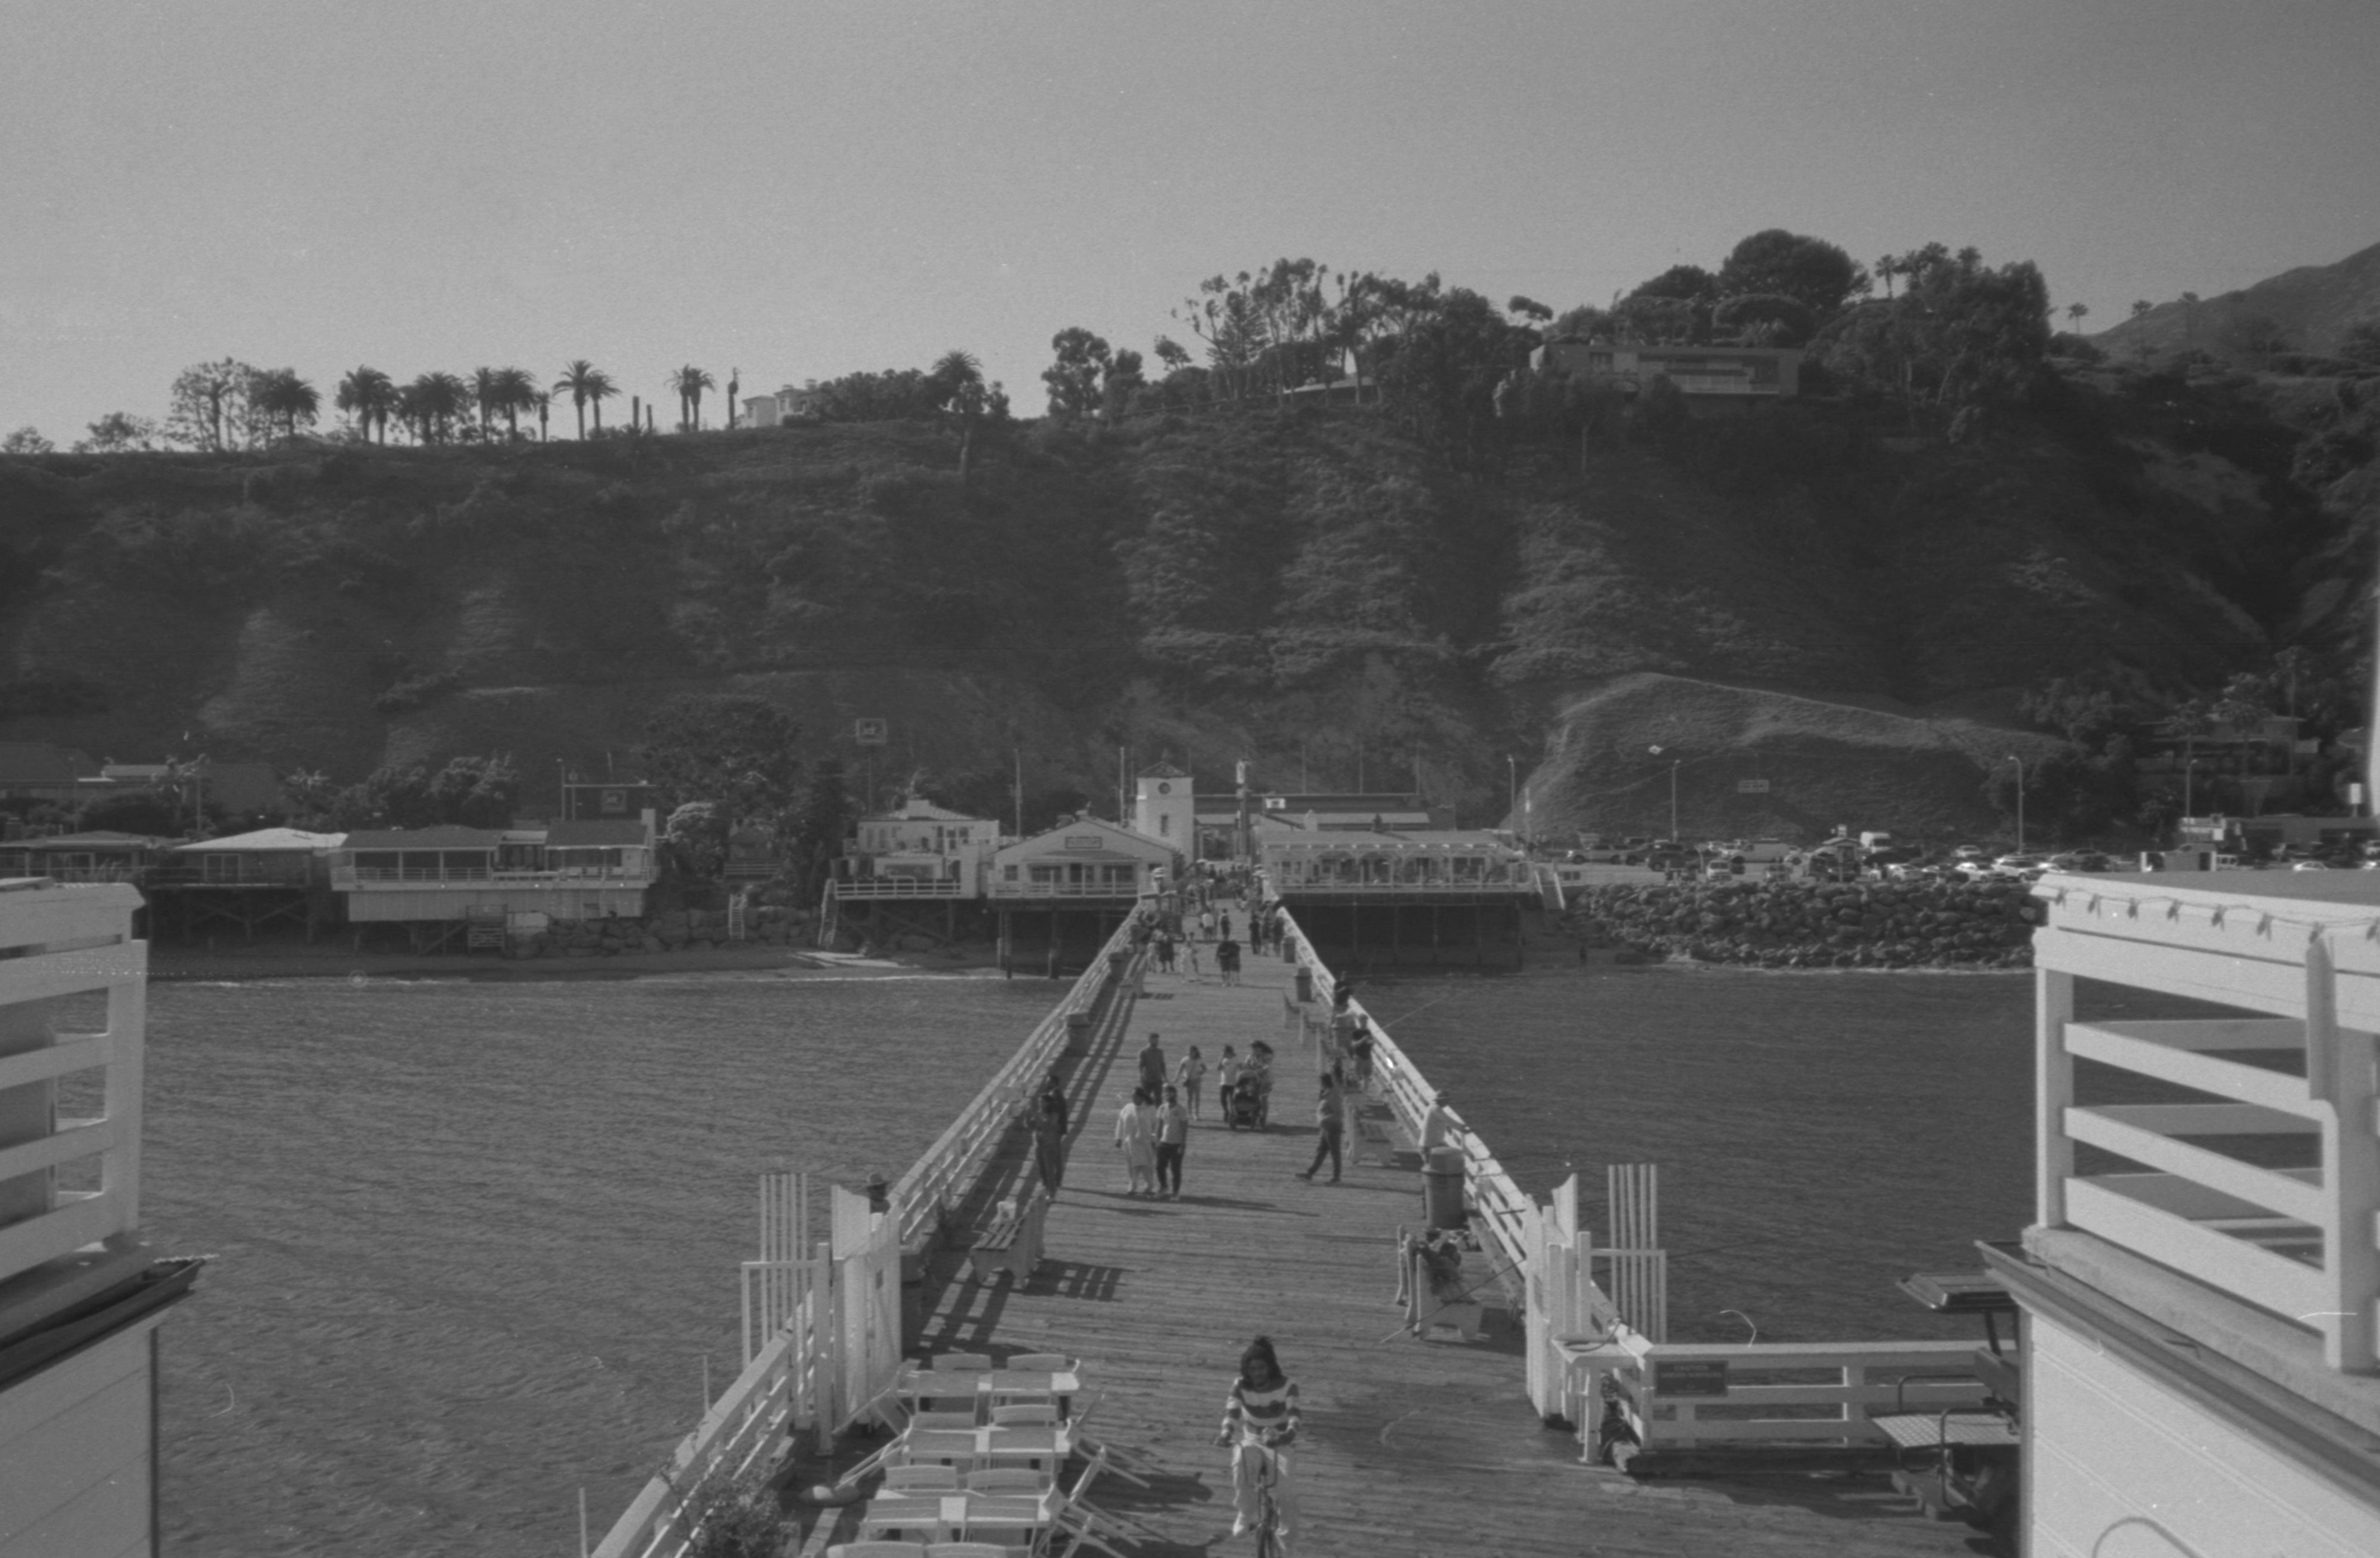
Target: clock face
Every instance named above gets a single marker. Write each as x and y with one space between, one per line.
1164 787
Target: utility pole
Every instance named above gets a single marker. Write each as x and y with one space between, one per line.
1674 763
2020 801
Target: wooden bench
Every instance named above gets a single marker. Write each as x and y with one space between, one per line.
1013 1243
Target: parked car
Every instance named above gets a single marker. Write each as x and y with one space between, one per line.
2308 865
1967 852
2020 865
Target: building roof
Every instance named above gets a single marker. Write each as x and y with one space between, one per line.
425 839
1161 769
600 833
1115 844
919 809
96 840
264 840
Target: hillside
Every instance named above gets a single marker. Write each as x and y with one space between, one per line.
2312 307
1306 587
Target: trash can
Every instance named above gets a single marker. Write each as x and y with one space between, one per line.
1441 1189
1289 949
1078 1032
1304 983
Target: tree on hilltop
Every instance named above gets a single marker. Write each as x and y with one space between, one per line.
368 396
286 399
509 391
689 382
209 407
586 384
1811 271
431 405
1687 284
27 439
1074 378
119 432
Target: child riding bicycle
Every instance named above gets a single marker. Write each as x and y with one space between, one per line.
1260 1421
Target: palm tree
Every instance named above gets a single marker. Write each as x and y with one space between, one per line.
510 391
689 382
483 397
279 392
578 378
544 406
2075 312
431 403
599 389
368 396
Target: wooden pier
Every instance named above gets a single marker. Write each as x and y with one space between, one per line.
1411 1446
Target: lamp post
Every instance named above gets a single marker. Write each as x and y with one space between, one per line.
2020 801
1511 788
1674 763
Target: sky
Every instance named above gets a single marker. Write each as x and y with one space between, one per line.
796 190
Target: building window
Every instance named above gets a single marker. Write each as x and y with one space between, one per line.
1164 824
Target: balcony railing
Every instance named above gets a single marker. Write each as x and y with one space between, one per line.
1064 890
2294 1237
902 887
349 878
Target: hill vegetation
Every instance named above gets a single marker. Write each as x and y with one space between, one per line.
1872 589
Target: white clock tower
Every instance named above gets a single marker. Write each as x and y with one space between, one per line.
1164 810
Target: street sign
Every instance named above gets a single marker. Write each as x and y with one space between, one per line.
869 732
1752 787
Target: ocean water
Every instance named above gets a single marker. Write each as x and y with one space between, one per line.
475 1239
1818 1135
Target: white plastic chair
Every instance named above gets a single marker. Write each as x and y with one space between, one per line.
1075 1518
1014 1480
968 1550
1031 1412
921 1476
1043 1363
875 1549
934 1420
919 1512
951 1447
1020 1517
1034 1445
961 1361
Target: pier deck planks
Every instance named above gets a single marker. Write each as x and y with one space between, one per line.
1411 1447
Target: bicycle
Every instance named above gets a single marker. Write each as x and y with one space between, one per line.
1267 1473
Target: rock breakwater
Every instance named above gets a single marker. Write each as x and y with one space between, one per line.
1781 924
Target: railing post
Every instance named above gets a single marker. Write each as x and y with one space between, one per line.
2339 1078
2054 1092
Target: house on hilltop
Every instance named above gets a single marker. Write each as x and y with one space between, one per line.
1713 378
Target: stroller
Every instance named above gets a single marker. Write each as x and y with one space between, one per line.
1244 1104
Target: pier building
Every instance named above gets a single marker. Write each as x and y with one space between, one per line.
1424 898
470 886
245 883
2200 1281
910 871
1079 879
81 1297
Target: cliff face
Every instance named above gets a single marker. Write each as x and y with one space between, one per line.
1306 588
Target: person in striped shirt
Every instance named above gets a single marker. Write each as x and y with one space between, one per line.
1261 1418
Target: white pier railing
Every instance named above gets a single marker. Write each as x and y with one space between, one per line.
2298 1240
822 1331
58 940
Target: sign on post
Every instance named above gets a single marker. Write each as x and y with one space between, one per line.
869 732
1752 787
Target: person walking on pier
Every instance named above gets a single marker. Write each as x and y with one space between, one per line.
1050 1138
1165 950
1152 1067
1227 960
1173 1140
1260 1419
1135 1139
1207 924
1330 1128
1191 1076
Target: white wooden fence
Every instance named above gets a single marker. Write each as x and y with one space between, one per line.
1589 1345
55 941
2296 1241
